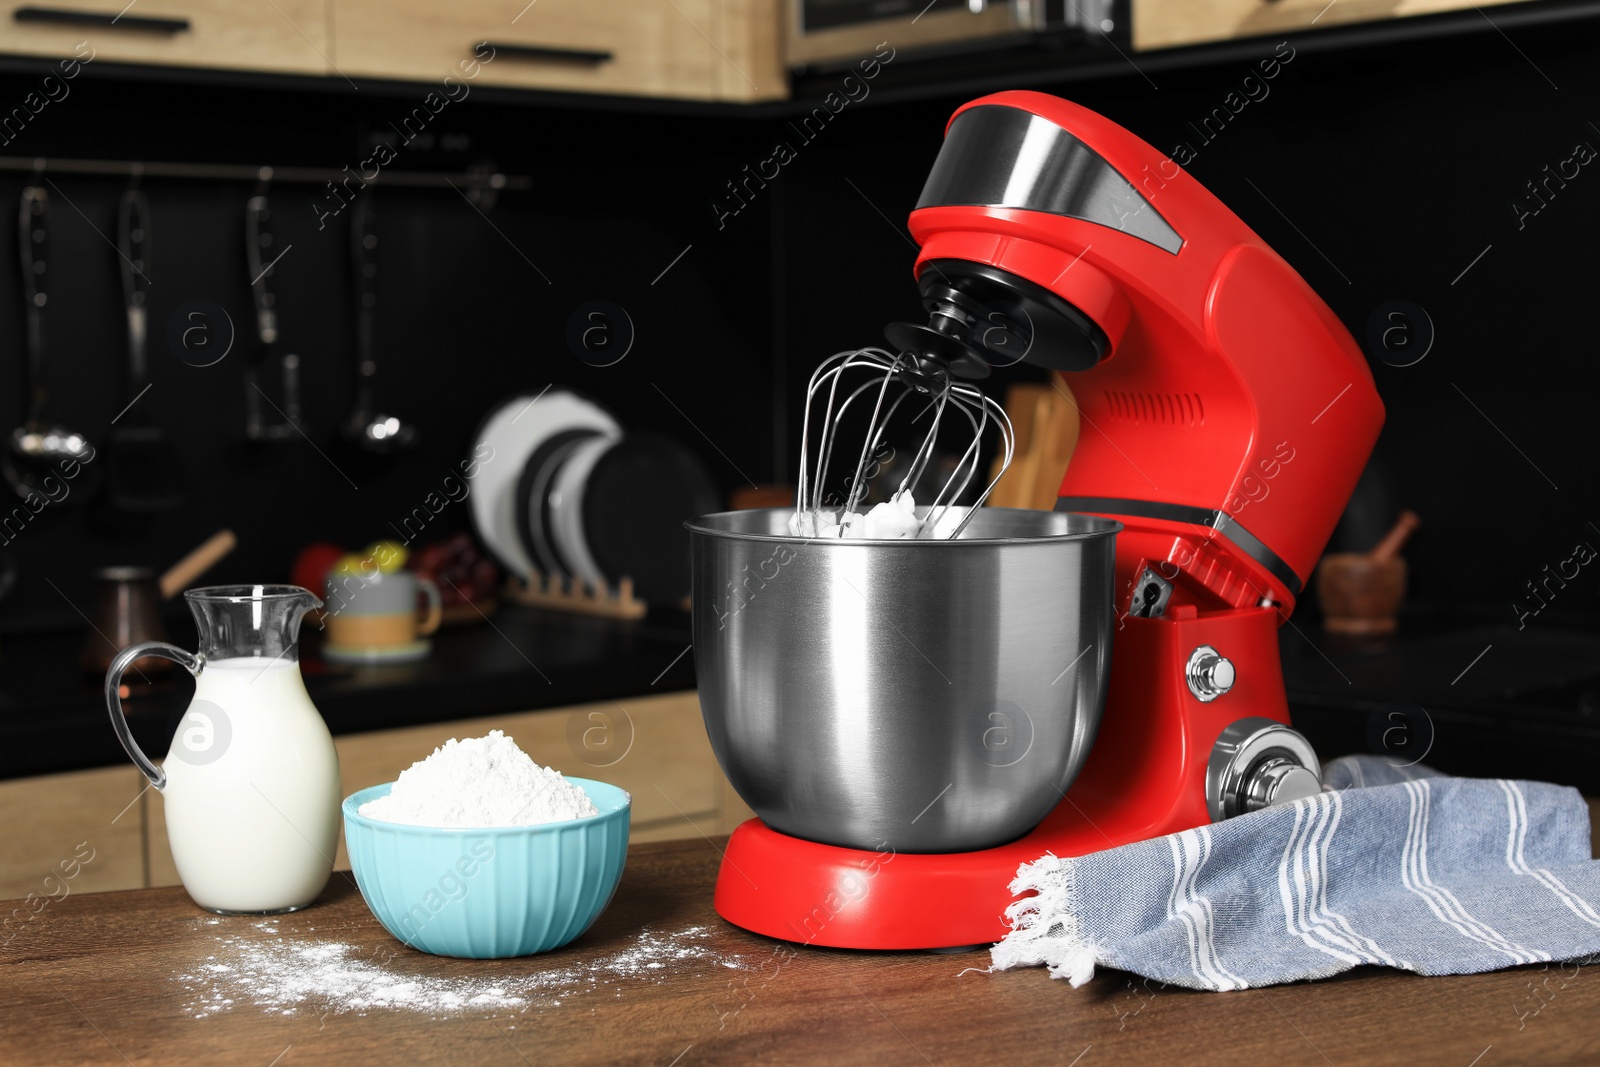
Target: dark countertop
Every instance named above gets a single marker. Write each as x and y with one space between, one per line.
1466 692
1528 707
144 976
53 716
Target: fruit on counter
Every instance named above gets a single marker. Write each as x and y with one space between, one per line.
311 566
355 563
390 556
463 574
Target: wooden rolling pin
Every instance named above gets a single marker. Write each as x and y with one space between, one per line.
183 573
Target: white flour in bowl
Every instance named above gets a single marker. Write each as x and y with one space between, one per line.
480 782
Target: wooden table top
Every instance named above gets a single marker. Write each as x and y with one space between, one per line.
144 976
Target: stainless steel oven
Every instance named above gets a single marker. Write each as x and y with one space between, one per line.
823 33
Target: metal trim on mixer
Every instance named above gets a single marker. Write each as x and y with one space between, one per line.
1238 755
1000 156
1219 522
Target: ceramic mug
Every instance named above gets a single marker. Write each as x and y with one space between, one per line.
376 610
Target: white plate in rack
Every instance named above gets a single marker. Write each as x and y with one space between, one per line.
513 430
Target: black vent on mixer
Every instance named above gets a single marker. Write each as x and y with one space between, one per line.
1169 409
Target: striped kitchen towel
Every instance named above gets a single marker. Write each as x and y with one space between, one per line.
1391 866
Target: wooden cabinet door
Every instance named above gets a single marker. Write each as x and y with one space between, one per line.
289 36
645 47
1166 23
70 833
749 35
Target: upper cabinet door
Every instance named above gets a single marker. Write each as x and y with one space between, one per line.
671 48
1166 23
288 36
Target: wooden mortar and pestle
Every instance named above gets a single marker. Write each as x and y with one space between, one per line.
127 609
1361 592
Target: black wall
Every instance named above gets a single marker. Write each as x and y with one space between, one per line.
466 315
1379 173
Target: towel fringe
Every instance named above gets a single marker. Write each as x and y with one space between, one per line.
1044 926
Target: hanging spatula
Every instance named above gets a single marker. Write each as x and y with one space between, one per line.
141 465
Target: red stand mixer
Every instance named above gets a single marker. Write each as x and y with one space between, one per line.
1226 413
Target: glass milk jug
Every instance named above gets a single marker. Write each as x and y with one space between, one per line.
251 780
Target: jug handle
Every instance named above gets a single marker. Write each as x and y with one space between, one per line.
119 722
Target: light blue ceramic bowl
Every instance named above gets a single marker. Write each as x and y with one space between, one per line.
487 893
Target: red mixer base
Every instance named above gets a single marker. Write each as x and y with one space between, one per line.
1144 778
816 894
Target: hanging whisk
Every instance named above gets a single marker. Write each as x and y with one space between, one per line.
886 381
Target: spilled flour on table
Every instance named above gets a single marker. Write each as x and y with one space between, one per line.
294 976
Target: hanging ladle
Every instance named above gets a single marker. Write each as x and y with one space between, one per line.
39 450
367 427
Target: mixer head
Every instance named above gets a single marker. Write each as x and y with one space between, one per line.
1204 364
1012 161
981 317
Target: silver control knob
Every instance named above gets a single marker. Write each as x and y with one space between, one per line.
1258 762
1278 781
1210 674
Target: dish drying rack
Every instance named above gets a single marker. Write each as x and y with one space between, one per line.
561 592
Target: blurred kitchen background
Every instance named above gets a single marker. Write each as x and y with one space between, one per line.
1388 158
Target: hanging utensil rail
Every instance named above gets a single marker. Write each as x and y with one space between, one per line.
241 172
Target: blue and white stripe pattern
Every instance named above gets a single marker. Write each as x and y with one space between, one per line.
1391 867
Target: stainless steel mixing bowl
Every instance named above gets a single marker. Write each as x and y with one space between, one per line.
920 696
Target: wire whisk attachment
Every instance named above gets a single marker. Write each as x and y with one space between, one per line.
886 381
